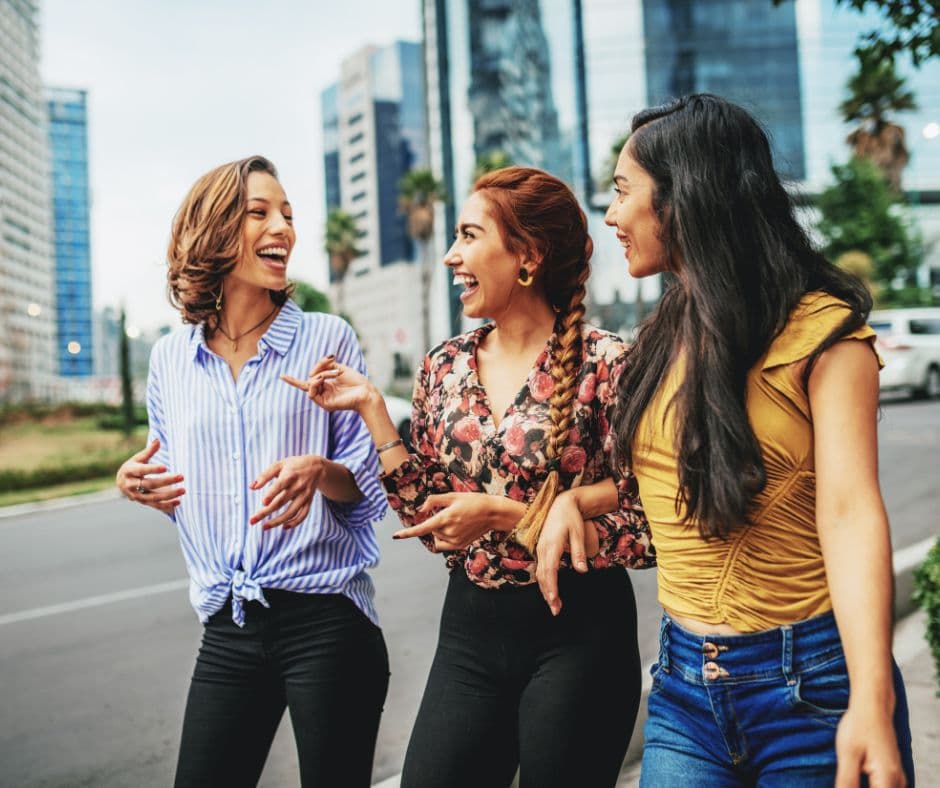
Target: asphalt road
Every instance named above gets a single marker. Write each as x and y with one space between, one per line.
97 638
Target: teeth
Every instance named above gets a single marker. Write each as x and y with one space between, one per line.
274 251
463 279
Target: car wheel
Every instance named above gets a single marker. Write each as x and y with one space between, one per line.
932 383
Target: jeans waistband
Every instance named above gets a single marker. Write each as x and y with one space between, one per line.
755 656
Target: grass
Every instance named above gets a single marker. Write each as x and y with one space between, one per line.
55 491
32 444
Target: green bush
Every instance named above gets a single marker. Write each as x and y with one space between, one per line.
927 596
103 464
114 420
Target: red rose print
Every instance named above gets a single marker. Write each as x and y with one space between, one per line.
586 391
514 440
601 561
477 565
512 564
516 493
574 436
467 430
625 544
541 385
459 485
573 459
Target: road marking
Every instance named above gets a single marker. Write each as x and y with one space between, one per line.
67 502
93 601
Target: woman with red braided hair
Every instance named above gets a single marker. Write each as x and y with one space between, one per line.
509 425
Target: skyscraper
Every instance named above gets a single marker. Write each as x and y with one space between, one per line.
373 133
68 138
27 277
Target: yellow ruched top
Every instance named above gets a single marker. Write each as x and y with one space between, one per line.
771 572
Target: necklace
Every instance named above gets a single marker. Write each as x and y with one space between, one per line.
234 340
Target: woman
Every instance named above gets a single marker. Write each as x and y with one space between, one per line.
748 414
288 612
504 417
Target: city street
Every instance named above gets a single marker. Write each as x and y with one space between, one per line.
97 638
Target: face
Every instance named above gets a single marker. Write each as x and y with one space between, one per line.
267 234
481 263
631 214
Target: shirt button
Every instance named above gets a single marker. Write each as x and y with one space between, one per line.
235 455
238 499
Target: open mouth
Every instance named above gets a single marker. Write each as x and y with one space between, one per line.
469 283
275 256
625 243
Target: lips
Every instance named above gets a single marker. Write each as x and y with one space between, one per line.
274 255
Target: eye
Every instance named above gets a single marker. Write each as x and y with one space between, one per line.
288 217
257 212
468 234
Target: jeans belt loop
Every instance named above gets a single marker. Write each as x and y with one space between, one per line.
664 643
786 632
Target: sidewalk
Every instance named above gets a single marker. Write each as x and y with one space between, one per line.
913 656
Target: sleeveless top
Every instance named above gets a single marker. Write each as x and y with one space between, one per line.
771 572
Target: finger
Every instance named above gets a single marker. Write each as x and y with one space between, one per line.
163 494
429 525
265 476
145 454
284 517
298 518
166 506
151 483
848 767
297 384
547 575
273 506
438 501
576 542
324 363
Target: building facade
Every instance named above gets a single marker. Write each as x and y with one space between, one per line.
68 143
27 274
373 133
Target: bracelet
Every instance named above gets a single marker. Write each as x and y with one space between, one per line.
389 445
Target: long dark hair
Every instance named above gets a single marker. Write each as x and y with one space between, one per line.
741 263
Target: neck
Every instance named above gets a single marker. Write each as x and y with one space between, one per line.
524 327
243 306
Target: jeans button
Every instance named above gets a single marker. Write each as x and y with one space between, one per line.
710 650
710 671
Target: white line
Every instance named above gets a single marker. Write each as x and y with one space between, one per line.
66 502
908 558
92 601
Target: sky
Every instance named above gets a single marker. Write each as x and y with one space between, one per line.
177 87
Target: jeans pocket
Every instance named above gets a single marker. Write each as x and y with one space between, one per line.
823 692
658 675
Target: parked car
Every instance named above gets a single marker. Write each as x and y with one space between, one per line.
400 411
909 343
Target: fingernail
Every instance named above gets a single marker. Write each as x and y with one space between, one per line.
265 501
252 485
331 356
396 536
582 566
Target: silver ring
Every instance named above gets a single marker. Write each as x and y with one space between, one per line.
141 490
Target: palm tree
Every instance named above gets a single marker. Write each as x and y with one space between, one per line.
490 162
418 191
605 176
340 239
876 91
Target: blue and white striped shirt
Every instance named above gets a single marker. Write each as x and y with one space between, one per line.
221 434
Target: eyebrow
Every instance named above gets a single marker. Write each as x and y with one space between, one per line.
461 228
265 200
621 179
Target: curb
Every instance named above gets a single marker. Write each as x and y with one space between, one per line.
19 509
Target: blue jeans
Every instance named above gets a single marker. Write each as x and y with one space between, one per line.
755 709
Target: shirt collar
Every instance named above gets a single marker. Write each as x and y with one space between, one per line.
278 337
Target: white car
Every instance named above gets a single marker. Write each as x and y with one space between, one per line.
909 343
400 411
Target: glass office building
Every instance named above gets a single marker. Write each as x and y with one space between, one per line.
68 143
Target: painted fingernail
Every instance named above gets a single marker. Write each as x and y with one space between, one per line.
582 566
331 356
253 485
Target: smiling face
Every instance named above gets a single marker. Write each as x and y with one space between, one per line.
632 214
481 263
267 234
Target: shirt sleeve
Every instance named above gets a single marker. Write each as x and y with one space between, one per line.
421 474
624 534
156 415
351 445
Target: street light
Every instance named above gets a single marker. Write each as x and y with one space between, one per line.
931 130
33 310
74 347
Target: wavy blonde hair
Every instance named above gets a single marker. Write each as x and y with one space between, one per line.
538 215
206 240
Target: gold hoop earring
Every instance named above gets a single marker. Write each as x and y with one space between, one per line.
524 278
218 299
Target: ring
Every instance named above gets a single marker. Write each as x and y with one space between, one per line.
141 490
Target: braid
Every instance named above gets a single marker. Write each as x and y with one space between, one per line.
566 365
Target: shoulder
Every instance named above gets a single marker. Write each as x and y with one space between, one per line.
449 349
325 328
602 346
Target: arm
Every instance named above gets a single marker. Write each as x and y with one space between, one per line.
856 549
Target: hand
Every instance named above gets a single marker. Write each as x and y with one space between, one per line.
461 518
157 492
296 480
334 386
563 530
867 744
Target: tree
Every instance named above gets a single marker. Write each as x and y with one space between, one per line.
309 299
418 192
605 176
876 91
340 242
911 26
861 213
490 162
127 385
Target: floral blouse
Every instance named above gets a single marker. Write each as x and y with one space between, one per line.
457 447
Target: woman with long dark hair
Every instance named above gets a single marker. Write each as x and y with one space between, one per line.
747 410
508 429
275 520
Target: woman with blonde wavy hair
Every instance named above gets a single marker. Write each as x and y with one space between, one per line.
288 612
508 426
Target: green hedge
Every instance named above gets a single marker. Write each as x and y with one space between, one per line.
75 471
927 595
35 411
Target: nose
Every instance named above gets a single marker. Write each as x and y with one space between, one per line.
450 256
279 225
609 215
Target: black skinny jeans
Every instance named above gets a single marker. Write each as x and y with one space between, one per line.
511 686
317 654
